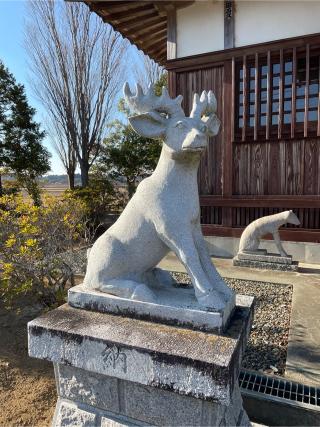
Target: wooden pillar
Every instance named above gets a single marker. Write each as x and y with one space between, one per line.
228 24
171 32
228 124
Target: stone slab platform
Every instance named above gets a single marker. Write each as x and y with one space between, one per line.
175 306
264 265
187 362
265 257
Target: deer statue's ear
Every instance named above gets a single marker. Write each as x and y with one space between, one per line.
213 124
149 125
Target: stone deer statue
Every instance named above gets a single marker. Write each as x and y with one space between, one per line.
164 212
254 232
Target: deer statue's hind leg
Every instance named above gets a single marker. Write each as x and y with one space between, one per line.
158 278
130 289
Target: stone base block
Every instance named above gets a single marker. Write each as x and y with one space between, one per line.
175 306
119 371
265 264
88 399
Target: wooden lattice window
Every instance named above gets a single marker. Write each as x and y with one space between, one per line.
277 95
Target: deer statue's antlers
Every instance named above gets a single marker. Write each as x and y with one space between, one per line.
203 106
144 103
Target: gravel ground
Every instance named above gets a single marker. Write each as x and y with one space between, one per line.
268 342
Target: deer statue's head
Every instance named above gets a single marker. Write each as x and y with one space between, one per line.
163 117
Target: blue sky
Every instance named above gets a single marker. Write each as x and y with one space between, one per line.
12 53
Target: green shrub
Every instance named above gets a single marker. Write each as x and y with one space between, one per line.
33 241
100 198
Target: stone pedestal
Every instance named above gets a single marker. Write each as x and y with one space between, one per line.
264 260
114 370
175 306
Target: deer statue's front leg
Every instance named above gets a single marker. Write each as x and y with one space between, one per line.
278 243
205 259
181 242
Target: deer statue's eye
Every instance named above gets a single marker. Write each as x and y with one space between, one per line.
179 124
203 128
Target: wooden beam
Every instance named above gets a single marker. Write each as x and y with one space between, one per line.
269 95
157 51
306 94
162 5
281 90
245 96
137 24
139 12
116 5
262 201
233 96
171 33
256 96
156 36
229 24
155 29
318 124
227 138
294 92
157 41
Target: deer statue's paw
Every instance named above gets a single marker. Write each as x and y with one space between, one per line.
143 293
211 300
158 278
225 292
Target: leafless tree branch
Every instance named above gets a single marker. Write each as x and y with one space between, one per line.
77 69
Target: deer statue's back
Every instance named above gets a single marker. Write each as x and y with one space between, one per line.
164 213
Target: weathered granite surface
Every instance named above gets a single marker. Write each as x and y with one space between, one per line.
164 212
265 264
86 397
174 306
184 361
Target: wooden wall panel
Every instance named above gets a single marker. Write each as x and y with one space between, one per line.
312 167
253 178
288 168
188 83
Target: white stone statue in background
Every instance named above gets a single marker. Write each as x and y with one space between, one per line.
254 232
164 212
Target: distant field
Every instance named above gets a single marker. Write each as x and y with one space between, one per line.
54 189
57 190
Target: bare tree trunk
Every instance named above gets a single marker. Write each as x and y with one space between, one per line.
131 187
84 168
71 183
77 70
1 187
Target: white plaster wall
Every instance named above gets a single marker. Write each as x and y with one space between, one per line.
259 21
200 28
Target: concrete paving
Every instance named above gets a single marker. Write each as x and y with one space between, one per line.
303 360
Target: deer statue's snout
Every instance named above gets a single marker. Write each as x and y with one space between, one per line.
195 140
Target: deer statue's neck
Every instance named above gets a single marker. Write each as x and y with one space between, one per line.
177 167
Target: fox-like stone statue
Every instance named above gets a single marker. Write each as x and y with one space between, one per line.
164 213
254 232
